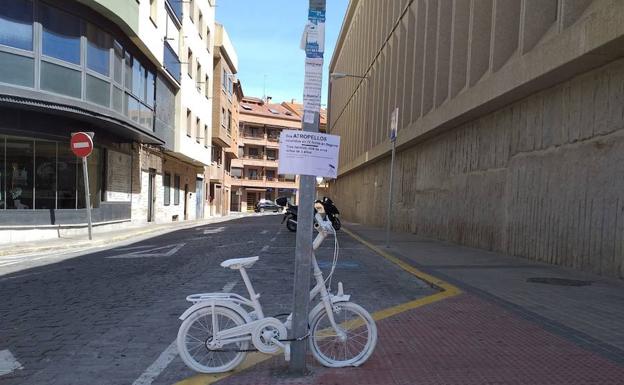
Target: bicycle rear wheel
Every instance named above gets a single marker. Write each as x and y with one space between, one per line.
354 347
197 331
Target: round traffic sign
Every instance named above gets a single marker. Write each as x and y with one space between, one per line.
81 144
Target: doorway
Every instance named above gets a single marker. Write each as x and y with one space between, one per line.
186 201
151 195
199 198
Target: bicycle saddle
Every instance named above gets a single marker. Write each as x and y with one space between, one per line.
237 263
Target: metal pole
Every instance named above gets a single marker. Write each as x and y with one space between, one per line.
85 174
303 252
390 195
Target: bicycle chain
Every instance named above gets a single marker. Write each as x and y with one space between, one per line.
255 350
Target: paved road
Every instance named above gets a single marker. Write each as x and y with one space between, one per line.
106 317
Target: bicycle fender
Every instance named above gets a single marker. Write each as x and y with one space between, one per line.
321 305
227 304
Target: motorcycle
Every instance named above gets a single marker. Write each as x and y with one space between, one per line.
327 205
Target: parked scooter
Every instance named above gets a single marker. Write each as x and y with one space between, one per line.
290 215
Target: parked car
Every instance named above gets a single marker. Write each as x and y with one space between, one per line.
267 205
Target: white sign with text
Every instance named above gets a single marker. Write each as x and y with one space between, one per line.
308 153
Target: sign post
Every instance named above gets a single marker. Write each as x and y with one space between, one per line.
313 42
82 146
394 122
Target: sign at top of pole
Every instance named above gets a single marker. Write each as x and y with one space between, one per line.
313 42
81 144
394 124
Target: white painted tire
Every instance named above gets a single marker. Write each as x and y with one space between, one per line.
197 328
361 336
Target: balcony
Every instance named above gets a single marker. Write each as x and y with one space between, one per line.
216 172
264 182
221 136
256 161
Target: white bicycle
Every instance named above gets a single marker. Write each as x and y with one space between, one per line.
218 328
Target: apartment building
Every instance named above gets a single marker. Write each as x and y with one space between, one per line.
227 92
254 173
111 68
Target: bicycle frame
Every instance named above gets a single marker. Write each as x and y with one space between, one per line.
256 316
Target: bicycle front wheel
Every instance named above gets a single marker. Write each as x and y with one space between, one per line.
195 334
354 342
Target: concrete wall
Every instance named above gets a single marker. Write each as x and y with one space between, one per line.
509 119
540 178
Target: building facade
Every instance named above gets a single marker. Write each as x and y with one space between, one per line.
227 92
107 67
510 124
254 173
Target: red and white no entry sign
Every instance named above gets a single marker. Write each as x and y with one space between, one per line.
81 144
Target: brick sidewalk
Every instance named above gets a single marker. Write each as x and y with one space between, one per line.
461 340
500 330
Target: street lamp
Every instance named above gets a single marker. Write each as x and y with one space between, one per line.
341 75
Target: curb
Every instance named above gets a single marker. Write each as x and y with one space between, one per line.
86 245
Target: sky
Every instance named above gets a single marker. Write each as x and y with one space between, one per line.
266 36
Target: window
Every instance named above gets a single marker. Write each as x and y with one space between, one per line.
246 107
206 136
189 63
208 39
61 34
198 76
207 87
189 123
138 80
167 188
224 79
61 80
45 175
154 10
270 175
118 55
20 172
192 10
172 62
176 190
98 50
98 91
197 131
236 173
16 24
17 69
67 167
271 154
176 6
223 117
128 72
253 174
150 88
229 122
200 24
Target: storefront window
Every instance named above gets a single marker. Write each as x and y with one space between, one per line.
167 189
61 34
16 24
98 50
45 175
19 159
66 168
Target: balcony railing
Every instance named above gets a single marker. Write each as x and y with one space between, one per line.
248 156
252 135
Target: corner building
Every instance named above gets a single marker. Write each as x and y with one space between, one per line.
107 67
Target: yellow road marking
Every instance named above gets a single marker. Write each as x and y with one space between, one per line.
447 291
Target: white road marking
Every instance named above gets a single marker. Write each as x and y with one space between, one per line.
264 248
264 231
229 286
154 370
214 231
151 252
134 248
235 244
8 363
